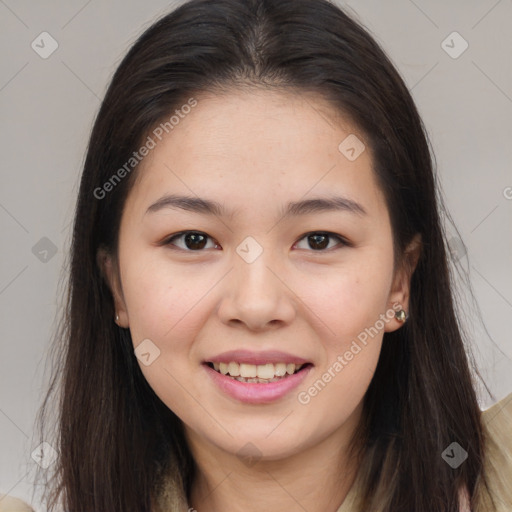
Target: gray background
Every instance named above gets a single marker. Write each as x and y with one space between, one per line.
47 109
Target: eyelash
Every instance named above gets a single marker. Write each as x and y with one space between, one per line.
343 241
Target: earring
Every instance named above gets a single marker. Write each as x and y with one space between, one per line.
401 316
117 318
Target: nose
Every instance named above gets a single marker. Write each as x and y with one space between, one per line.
256 295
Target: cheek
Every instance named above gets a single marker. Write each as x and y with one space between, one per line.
163 306
349 299
340 386
163 299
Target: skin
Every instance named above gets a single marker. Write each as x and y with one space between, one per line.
254 151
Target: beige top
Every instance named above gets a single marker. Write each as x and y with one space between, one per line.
498 424
10 504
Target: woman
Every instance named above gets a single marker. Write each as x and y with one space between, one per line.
260 311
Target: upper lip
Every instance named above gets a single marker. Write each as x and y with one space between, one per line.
256 358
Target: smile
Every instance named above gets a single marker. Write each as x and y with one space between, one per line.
281 379
262 373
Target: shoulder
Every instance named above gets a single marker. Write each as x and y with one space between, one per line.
10 504
497 422
503 408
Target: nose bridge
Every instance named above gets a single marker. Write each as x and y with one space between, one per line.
252 271
255 295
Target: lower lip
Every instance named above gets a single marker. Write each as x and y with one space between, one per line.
257 393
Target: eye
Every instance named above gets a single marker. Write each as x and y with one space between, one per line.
194 240
319 240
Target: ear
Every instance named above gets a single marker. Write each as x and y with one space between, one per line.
108 270
400 289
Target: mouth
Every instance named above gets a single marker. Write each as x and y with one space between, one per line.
253 384
257 374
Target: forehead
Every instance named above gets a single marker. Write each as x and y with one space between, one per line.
254 148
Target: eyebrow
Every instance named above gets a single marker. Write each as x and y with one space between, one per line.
209 207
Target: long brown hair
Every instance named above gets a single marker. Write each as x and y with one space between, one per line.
117 441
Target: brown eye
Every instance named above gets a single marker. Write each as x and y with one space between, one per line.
193 240
319 240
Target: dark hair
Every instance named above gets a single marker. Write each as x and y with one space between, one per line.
117 440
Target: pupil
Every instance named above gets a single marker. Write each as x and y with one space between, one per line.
194 239
316 243
197 241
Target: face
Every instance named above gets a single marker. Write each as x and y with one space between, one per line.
255 285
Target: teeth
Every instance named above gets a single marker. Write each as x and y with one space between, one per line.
266 371
248 370
234 369
280 369
254 373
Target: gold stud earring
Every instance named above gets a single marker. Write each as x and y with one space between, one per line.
401 316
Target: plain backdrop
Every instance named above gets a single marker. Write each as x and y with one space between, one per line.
462 85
